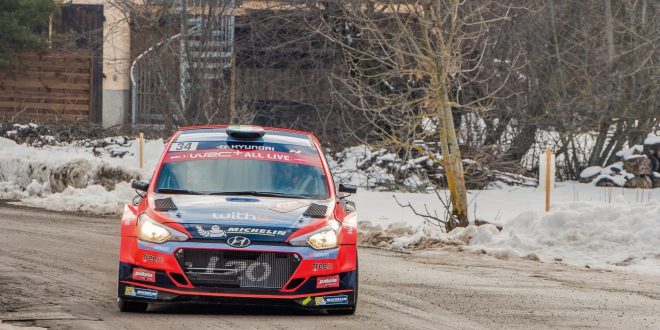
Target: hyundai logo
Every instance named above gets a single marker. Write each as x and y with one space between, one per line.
239 241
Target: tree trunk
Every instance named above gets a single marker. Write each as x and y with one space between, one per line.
452 161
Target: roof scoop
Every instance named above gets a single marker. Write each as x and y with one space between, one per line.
245 132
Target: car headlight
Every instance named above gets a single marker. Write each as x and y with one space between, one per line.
320 239
150 230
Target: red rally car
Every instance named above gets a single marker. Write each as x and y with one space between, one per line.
240 215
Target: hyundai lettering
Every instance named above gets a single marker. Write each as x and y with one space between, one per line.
240 215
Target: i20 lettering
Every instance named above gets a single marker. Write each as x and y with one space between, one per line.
253 271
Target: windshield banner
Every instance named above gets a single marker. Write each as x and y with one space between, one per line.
273 156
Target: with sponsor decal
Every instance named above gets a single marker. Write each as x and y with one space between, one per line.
316 266
331 300
237 216
151 258
146 275
327 282
140 293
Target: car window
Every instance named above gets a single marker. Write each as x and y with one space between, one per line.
216 172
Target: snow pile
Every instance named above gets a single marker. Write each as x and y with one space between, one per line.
90 175
619 235
588 225
91 199
583 234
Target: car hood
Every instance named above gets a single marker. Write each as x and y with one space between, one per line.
258 218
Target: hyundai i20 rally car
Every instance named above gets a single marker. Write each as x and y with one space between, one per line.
240 215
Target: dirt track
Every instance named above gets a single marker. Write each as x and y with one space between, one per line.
59 270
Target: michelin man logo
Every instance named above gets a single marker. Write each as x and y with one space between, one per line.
214 232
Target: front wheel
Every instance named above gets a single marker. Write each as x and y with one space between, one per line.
131 306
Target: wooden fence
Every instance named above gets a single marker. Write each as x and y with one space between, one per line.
52 87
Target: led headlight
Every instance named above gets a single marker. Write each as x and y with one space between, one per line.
320 239
150 230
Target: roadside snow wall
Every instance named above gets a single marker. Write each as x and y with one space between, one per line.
618 235
68 177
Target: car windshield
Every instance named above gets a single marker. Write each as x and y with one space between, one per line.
243 177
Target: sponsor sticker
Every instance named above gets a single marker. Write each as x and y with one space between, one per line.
320 266
214 231
288 206
257 231
140 293
140 274
155 247
246 147
327 282
237 216
150 258
306 301
183 146
331 300
274 156
322 255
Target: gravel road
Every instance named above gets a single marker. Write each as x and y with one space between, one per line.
58 270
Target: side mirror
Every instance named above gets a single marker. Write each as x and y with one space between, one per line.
347 188
140 185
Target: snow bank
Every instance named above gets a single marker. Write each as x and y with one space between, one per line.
600 227
618 235
91 199
93 172
583 234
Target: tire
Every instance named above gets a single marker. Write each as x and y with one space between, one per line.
348 311
126 306
352 308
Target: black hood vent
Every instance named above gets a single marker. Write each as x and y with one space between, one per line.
164 204
316 211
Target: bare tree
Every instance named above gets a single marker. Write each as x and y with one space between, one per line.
411 62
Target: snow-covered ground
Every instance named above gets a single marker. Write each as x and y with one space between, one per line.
588 226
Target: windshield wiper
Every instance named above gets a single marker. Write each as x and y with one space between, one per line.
179 191
259 193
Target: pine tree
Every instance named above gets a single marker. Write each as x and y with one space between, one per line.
23 24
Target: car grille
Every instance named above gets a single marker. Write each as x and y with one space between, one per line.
237 269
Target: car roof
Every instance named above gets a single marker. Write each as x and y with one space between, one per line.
266 128
219 133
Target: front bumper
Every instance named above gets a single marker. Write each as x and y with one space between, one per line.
152 273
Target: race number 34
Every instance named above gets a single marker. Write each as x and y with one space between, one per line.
183 146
